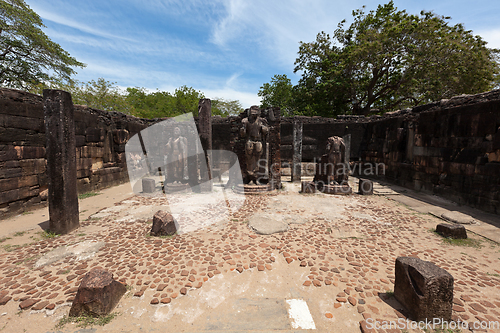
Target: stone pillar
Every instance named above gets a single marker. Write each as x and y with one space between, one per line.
296 171
410 143
192 162
347 142
61 161
205 132
274 120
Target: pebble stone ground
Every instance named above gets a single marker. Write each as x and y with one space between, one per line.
361 267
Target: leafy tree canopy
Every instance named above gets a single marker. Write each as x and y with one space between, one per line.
105 95
225 107
27 56
387 59
278 93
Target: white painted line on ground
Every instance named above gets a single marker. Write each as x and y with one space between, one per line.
300 315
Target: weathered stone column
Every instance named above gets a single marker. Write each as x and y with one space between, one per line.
296 171
205 132
347 142
274 140
61 161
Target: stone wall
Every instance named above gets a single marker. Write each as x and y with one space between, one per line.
450 148
100 149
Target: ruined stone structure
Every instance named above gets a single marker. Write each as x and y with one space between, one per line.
331 171
100 139
61 161
256 141
450 148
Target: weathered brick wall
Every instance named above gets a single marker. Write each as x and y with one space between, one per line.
450 148
100 149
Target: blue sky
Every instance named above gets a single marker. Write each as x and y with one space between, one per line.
225 48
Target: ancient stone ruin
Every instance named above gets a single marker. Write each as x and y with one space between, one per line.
448 148
61 161
332 171
164 224
97 295
424 289
257 148
454 231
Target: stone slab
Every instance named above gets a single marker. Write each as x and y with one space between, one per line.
271 313
266 225
458 217
81 251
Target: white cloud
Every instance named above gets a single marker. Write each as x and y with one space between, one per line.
247 99
491 36
51 16
278 26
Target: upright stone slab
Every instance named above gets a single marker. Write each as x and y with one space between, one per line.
365 187
274 140
61 161
148 185
297 150
97 295
205 132
424 289
347 156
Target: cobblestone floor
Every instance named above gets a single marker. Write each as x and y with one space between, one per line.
360 264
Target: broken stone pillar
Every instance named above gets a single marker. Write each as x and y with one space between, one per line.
205 132
192 162
164 224
455 231
424 289
148 185
61 161
97 295
347 156
365 187
296 171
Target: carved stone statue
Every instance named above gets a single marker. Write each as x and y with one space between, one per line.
332 168
176 152
254 129
335 148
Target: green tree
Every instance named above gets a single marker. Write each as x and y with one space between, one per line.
278 93
390 59
225 107
100 94
186 99
27 55
157 104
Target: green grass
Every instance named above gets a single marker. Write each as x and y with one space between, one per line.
26 213
468 242
19 233
86 320
81 234
493 274
389 293
476 243
47 234
87 195
10 247
3 239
